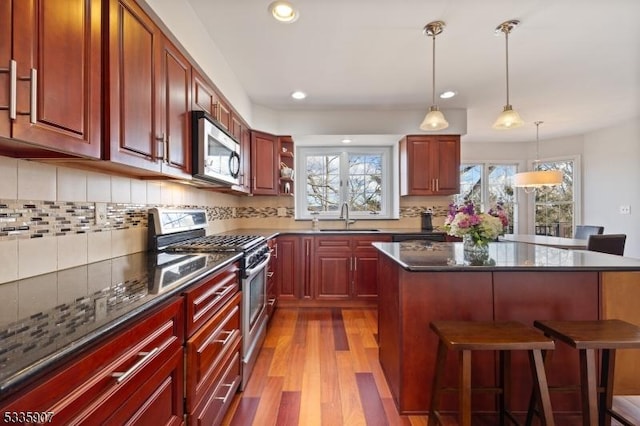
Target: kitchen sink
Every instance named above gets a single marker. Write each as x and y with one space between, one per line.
349 230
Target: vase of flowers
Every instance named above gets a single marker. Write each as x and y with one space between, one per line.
475 228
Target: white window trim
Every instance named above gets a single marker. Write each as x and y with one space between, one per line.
577 190
390 185
519 223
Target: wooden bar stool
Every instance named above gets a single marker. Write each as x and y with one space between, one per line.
502 336
587 337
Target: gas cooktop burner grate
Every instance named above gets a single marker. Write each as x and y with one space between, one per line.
217 243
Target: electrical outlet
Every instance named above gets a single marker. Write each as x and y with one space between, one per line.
625 209
282 212
101 213
101 308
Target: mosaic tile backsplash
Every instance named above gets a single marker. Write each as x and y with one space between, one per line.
38 219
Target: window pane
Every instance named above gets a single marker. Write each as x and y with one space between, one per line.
500 188
323 182
554 210
365 182
470 184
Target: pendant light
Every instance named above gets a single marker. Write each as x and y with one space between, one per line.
537 178
509 118
435 119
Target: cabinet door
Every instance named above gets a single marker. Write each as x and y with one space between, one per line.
133 68
202 94
430 165
57 49
264 167
332 268
175 102
222 111
446 149
288 273
5 59
365 267
417 166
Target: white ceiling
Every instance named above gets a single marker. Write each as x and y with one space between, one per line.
574 64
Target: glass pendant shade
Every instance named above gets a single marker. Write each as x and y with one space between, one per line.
508 119
434 120
537 179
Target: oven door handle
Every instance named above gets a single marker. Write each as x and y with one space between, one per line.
261 265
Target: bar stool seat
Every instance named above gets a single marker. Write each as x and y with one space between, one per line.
587 337
503 336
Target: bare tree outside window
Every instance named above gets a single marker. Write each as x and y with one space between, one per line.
364 177
488 184
365 182
554 206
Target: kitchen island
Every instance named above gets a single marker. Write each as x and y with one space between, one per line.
423 281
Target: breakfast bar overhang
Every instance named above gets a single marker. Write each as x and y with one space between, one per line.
422 281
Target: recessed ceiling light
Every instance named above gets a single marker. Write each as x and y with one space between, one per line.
283 11
447 94
346 140
298 95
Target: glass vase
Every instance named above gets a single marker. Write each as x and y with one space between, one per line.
475 253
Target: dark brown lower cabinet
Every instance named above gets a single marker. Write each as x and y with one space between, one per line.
91 389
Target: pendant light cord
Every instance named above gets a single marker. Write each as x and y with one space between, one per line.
506 43
433 74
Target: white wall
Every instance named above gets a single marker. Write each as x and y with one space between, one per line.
611 165
183 23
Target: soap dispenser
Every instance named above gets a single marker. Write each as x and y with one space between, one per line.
315 223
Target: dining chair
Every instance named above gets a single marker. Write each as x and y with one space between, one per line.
607 243
583 231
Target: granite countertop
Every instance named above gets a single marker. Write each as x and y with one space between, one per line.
433 256
49 317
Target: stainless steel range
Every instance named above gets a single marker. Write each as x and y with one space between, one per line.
183 231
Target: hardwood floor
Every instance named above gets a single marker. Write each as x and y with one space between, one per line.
319 366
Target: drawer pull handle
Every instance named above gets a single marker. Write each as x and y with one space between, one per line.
229 334
224 398
121 377
222 291
269 274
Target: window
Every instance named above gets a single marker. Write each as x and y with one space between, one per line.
555 206
487 184
359 176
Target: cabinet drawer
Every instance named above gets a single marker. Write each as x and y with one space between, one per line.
332 243
95 383
207 348
216 403
206 298
158 400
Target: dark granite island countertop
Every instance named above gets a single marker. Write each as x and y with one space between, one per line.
422 281
48 318
433 256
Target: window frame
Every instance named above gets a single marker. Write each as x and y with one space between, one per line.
577 191
389 187
484 187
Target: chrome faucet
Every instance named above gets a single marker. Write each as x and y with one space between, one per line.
347 222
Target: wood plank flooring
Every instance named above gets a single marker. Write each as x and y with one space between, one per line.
319 366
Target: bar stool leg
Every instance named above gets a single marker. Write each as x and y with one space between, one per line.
504 397
465 388
541 387
441 358
606 381
588 387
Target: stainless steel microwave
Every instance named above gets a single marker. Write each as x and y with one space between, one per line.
216 155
